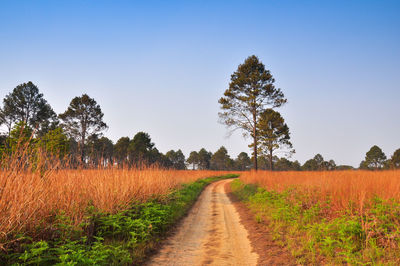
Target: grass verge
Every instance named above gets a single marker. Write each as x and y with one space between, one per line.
314 237
123 238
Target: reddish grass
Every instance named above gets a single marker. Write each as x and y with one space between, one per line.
341 187
28 198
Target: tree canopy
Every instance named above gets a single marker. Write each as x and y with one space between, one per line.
250 92
26 104
83 118
273 133
221 160
374 159
395 159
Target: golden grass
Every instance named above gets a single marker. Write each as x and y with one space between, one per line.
341 187
28 198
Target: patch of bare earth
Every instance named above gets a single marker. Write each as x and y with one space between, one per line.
211 234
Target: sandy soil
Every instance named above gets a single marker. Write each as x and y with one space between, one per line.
211 234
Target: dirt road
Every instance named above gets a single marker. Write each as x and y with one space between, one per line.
211 234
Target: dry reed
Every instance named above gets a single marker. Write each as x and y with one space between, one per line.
28 198
342 187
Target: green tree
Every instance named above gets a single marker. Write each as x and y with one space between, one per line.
83 118
204 159
55 143
177 158
284 164
220 160
250 91
193 159
319 164
374 159
100 150
243 161
273 133
395 159
121 151
21 136
26 104
140 149
264 162
311 165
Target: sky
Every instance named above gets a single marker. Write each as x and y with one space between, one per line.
161 66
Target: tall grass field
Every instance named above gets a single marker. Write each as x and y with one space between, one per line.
330 217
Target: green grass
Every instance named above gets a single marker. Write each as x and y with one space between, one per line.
124 238
312 237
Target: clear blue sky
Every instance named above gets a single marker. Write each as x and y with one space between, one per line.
160 67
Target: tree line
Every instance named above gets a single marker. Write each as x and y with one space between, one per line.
76 135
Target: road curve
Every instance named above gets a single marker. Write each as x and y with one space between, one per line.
211 234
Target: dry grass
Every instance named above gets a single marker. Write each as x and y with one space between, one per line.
28 198
341 187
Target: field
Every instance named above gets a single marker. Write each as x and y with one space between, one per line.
29 200
328 217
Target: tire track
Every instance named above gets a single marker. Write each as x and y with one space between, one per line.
211 234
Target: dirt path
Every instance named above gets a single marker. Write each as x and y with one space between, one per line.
211 234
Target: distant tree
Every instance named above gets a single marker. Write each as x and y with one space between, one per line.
331 165
243 161
319 164
273 133
264 162
26 104
220 160
20 136
319 160
250 91
83 118
284 164
374 159
193 159
311 165
55 143
100 151
395 159
344 167
177 159
121 151
204 159
140 149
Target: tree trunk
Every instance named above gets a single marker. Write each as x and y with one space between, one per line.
271 166
255 140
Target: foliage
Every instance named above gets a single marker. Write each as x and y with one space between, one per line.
177 159
250 91
140 149
243 162
220 160
284 164
83 118
20 135
273 133
374 159
26 104
204 158
395 159
319 164
121 150
193 159
55 143
100 151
